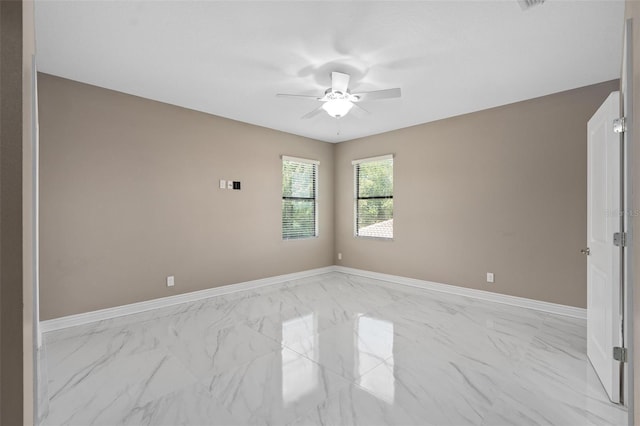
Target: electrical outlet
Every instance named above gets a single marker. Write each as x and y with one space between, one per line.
490 277
339 256
223 184
170 281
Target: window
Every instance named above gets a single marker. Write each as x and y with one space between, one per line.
374 197
299 207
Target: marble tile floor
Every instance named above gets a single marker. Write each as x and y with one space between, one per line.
333 349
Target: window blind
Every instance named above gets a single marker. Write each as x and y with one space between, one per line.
299 188
374 197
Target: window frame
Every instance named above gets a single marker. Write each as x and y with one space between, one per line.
316 167
355 164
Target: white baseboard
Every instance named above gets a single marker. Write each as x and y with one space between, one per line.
135 308
522 302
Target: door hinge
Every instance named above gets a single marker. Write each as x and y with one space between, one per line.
620 354
619 125
620 239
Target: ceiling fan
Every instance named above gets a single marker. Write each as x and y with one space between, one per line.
338 100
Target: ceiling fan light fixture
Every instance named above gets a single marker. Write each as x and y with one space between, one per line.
337 108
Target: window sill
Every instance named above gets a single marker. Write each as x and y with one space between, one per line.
299 239
364 237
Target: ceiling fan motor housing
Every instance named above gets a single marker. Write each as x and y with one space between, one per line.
330 95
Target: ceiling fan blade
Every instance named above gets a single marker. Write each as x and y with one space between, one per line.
286 95
379 94
313 113
339 82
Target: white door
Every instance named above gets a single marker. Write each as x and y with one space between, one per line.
604 310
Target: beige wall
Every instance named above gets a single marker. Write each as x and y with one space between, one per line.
632 11
501 190
129 195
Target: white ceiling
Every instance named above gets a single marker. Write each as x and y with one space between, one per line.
231 58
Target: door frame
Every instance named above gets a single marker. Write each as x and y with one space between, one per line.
626 109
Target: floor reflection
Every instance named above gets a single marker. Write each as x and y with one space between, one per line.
375 344
299 378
